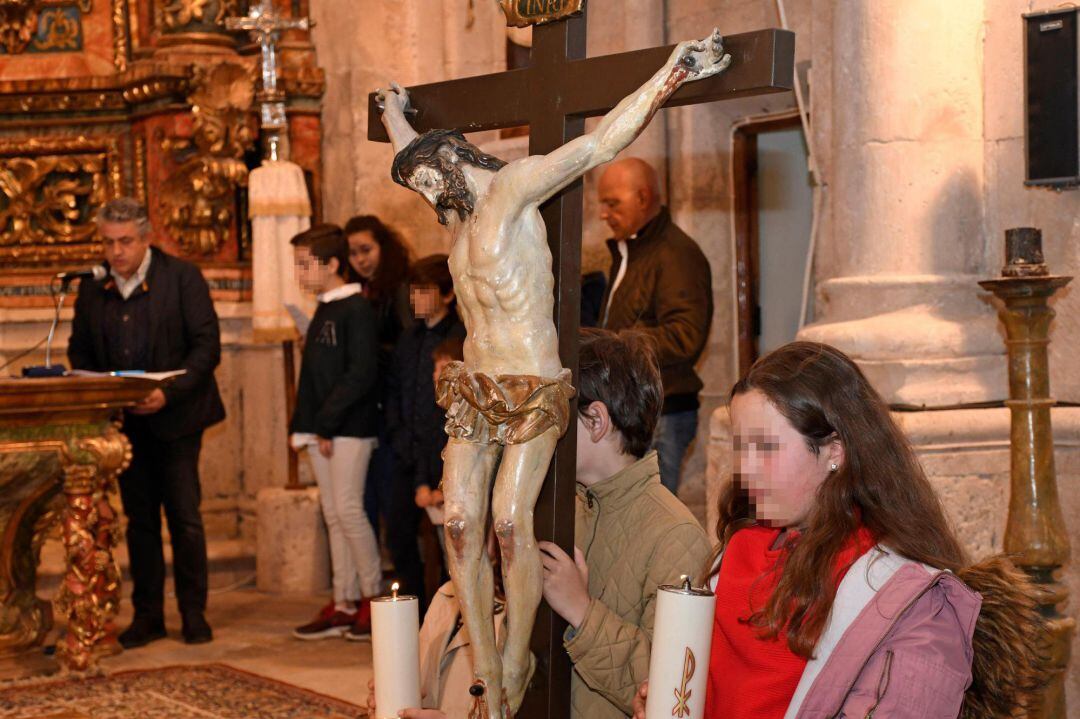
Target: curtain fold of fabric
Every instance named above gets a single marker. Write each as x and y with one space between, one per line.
279 209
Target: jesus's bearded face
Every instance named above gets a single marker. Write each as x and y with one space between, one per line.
445 188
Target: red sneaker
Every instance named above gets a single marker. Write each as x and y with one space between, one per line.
360 630
327 623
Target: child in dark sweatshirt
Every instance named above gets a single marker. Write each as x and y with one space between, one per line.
336 420
415 421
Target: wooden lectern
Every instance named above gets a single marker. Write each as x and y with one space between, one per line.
61 450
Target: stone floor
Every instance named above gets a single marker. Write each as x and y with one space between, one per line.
252 632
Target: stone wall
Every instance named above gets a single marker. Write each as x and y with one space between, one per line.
1007 202
918 131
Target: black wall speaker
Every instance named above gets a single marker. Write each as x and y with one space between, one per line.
1051 99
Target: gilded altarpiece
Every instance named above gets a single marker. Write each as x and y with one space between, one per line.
148 98
99 99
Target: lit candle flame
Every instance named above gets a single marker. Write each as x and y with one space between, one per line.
394 589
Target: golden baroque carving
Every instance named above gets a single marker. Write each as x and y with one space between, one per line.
178 13
140 169
90 593
25 619
303 81
522 13
61 32
157 89
199 198
18 23
49 190
83 102
120 34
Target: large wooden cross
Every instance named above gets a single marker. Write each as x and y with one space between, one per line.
554 96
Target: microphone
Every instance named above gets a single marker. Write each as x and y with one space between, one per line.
97 272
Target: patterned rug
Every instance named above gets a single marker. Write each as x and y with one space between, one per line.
209 691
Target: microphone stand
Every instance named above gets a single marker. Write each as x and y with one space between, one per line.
49 369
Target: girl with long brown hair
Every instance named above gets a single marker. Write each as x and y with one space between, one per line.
380 258
836 569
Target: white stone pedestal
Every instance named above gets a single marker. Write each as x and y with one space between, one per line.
292 555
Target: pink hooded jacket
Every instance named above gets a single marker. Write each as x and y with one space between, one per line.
898 644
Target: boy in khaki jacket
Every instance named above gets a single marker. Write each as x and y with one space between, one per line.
632 534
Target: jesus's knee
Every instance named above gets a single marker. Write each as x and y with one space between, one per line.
504 530
460 529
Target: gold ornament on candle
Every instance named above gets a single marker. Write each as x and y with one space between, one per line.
682 630
682 694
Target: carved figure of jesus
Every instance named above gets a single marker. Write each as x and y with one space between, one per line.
509 401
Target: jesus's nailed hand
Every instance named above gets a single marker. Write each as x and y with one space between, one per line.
703 58
396 98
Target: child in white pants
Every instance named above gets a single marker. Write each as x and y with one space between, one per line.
336 419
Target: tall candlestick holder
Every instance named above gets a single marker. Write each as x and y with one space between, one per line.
1035 534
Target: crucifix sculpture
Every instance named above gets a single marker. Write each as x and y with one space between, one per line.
553 96
265 25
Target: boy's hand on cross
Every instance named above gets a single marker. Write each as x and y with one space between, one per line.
566 582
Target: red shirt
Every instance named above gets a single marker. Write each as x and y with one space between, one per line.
750 677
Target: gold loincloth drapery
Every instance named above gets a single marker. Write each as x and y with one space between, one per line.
509 409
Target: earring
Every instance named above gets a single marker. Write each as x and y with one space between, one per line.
833 467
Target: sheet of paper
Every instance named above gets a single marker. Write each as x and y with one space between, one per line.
155 376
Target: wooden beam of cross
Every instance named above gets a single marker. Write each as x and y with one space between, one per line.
553 96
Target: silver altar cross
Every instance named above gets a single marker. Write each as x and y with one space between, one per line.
265 25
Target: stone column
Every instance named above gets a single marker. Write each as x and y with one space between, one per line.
897 267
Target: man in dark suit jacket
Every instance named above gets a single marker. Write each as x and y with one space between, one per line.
153 312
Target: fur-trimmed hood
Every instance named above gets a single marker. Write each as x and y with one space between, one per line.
1008 640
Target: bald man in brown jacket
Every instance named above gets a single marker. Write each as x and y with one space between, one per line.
660 284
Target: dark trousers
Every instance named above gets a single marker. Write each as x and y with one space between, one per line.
379 485
164 474
403 534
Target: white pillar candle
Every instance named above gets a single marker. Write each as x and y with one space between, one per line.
679 664
395 647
